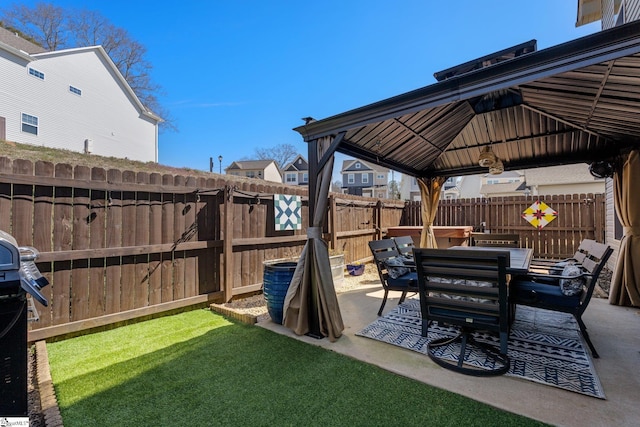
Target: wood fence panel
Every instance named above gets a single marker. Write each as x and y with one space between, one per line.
128 278
246 219
214 207
179 235
97 223
42 234
113 269
167 236
62 241
236 256
155 237
191 256
23 205
141 290
6 167
81 240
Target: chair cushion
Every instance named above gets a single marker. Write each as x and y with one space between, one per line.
558 267
529 292
574 283
463 282
396 267
406 280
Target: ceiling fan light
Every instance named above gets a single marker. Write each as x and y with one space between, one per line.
497 168
487 158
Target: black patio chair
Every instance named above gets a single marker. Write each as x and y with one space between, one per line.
495 240
568 292
466 289
555 266
395 274
405 245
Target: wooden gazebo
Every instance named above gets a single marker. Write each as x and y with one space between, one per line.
572 103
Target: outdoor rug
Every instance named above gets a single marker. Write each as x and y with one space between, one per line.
544 346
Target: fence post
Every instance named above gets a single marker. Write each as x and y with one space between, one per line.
600 217
333 228
378 219
227 243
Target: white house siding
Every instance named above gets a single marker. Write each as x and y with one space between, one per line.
105 112
271 173
584 188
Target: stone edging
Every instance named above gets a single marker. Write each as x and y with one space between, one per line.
242 317
48 400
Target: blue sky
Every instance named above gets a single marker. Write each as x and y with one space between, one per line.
238 75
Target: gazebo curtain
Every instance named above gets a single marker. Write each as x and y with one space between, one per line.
625 283
311 301
430 194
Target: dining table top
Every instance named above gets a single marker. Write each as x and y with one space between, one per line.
519 258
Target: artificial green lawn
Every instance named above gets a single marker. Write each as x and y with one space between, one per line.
199 369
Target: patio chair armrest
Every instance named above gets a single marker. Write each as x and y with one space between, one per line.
584 274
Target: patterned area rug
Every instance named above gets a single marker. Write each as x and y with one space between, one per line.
544 346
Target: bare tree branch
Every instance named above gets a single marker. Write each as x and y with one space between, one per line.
282 154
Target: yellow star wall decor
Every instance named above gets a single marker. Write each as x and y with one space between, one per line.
539 214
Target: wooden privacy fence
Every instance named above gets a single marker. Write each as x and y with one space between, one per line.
580 216
117 245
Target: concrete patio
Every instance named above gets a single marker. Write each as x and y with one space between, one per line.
615 331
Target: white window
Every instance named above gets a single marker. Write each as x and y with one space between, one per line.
358 165
291 177
380 176
36 73
351 178
29 124
493 181
250 174
75 90
365 178
305 177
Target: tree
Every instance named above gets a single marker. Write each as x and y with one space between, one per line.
336 186
394 190
56 28
282 154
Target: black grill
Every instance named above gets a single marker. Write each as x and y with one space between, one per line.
19 279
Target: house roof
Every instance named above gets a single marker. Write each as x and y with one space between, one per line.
346 164
567 174
571 103
14 40
250 164
292 165
505 188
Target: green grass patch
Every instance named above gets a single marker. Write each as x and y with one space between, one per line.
199 369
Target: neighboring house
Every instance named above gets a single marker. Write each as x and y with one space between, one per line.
567 179
409 189
361 179
296 172
510 183
610 13
261 169
74 99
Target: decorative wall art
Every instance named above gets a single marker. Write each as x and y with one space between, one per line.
539 214
287 212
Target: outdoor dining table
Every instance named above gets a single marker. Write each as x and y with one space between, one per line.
519 258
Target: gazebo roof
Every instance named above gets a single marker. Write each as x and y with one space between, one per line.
575 102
